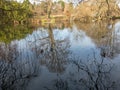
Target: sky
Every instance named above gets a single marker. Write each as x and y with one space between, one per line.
32 1
75 2
23 0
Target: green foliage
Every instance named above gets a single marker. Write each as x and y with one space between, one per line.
62 4
12 10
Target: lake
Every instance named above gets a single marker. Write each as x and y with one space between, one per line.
60 56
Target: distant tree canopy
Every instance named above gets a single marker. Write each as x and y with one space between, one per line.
12 10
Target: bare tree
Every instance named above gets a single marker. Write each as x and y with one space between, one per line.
49 5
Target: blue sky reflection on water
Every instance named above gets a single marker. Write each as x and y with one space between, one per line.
80 44
54 49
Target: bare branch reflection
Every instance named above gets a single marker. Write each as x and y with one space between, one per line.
15 75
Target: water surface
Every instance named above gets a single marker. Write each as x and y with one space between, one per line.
61 56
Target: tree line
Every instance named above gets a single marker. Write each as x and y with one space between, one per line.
13 11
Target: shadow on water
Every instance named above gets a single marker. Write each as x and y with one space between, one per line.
63 56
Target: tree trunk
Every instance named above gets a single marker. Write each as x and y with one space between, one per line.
49 9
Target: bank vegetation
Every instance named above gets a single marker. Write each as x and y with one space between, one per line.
48 11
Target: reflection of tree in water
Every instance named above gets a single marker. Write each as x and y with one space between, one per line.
93 75
59 25
102 34
110 44
53 53
106 47
116 37
78 35
14 74
9 33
